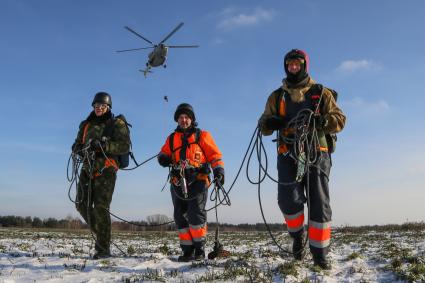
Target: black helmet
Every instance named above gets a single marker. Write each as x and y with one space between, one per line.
184 108
102 97
303 73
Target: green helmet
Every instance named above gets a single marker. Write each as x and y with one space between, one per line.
102 97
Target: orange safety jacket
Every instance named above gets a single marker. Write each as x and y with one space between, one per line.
197 148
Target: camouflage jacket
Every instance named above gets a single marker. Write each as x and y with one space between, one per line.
330 110
93 129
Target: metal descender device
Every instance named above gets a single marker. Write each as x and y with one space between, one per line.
183 182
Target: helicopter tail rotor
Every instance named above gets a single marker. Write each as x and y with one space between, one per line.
146 71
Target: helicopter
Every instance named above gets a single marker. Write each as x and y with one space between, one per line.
158 56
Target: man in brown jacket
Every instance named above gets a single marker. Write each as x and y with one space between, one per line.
299 92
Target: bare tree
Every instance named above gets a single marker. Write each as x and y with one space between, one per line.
156 219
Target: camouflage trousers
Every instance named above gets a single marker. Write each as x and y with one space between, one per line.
94 197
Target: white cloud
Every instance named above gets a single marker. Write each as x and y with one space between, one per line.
359 105
350 66
217 41
233 19
32 147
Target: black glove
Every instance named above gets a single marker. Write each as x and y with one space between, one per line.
98 145
219 175
164 160
76 147
275 123
320 122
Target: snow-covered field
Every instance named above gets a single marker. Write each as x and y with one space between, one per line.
357 255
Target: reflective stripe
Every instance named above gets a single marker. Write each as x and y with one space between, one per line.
200 239
323 148
217 163
320 233
111 162
197 226
320 225
320 244
198 232
294 222
183 230
184 235
283 148
186 242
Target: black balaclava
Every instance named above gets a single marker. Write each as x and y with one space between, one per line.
303 73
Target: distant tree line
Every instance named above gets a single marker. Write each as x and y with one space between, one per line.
36 222
152 221
150 224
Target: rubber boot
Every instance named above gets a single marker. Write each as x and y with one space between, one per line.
187 255
322 261
199 254
298 250
101 252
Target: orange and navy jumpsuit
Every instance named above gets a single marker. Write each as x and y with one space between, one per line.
198 150
292 196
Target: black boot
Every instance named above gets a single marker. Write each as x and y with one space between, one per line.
321 261
199 254
187 255
101 252
298 250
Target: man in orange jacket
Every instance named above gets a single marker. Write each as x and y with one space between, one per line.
191 153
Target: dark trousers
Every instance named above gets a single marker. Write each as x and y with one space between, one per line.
190 215
291 199
93 202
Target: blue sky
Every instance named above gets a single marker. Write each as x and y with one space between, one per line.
55 55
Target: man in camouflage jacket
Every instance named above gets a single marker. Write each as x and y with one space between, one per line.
298 92
99 171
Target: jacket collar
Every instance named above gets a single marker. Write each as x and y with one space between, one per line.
297 91
189 131
95 119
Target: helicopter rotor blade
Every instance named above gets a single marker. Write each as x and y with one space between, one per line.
182 46
172 32
134 49
132 31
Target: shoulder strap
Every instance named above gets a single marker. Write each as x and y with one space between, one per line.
122 117
315 94
279 97
109 128
108 131
171 139
197 135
